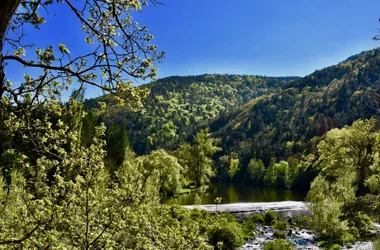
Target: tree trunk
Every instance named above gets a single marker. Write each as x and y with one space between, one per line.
7 9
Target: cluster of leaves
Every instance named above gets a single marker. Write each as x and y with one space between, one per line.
279 244
348 161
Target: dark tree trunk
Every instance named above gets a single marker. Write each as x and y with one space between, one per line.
7 9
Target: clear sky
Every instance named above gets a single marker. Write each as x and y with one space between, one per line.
262 37
265 37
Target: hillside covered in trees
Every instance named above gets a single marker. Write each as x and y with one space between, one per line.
256 118
175 104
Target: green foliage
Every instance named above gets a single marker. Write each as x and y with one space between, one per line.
197 157
279 244
327 201
164 169
377 244
9 161
259 218
270 217
117 142
64 197
255 117
349 149
335 247
281 225
368 204
228 166
229 234
279 175
280 234
347 159
197 199
363 223
177 104
256 171
248 229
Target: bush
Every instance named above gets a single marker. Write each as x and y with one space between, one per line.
259 218
368 204
334 247
302 221
279 244
377 244
279 234
226 236
270 217
281 225
363 223
248 228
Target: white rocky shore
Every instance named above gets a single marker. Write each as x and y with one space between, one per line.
283 208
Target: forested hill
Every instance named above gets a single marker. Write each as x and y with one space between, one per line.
290 120
176 104
256 117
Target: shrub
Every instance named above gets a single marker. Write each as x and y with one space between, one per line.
270 217
368 204
281 225
248 228
377 244
226 236
279 244
259 218
334 247
279 234
363 223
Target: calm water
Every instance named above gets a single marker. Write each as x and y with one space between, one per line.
237 192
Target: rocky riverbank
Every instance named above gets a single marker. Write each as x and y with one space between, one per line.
301 238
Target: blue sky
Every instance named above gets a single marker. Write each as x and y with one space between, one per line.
263 37
268 37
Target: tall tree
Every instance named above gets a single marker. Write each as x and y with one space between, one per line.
197 157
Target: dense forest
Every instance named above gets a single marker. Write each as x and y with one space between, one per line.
258 120
175 104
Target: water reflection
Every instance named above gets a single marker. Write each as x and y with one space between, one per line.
237 192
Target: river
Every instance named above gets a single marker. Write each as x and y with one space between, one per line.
238 193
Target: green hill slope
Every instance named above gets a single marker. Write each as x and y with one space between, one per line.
291 119
176 104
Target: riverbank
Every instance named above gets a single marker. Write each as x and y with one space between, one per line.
296 231
301 238
285 209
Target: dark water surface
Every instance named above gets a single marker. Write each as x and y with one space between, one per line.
237 193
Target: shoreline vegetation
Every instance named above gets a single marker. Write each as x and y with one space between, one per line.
269 230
